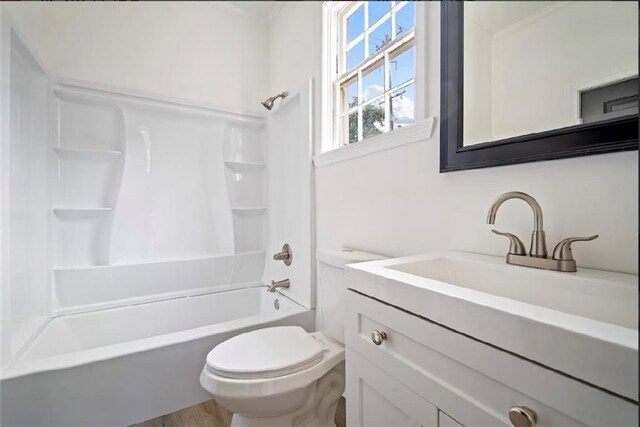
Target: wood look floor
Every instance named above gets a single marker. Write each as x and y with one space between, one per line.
210 414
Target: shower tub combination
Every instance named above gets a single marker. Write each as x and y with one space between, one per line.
157 253
142 245
129 364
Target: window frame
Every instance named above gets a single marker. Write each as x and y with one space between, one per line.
334 33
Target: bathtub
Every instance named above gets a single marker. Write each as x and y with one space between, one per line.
124 365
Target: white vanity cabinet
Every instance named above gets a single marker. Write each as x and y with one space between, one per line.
424 374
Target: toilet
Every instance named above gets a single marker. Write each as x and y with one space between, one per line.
285 376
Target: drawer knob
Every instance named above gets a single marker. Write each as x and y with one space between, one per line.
521 416
378 337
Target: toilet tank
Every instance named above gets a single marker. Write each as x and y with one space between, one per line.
331 288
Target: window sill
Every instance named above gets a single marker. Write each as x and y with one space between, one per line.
417 132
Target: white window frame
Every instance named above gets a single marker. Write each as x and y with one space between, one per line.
332 11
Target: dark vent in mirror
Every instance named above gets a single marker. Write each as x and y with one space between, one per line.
612 100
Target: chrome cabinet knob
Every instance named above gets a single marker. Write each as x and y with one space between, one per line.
521 416
378 337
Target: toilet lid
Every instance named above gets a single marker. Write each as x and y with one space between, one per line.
265 353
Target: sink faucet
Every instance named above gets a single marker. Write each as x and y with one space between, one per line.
279 284
562 259
538 240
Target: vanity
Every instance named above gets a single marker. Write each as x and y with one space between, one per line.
457 338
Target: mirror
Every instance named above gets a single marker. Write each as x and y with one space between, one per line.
536 80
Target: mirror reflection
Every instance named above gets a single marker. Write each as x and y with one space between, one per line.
534 66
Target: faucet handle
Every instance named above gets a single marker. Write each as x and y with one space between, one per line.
562 251
516 247
285 255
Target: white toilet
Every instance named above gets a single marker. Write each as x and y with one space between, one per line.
285 376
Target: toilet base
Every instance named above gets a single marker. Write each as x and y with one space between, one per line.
318 410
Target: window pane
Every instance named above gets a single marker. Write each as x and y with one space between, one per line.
353 127
401 108
380 37
373 118
349 92
402 67
355 55
373 81
405 19
355 24
377 9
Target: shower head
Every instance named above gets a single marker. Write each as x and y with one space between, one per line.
268 103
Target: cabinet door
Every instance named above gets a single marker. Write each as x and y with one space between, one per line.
374 398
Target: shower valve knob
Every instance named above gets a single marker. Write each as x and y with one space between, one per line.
285 255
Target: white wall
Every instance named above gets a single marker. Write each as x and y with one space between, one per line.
189 50
294 33
396 202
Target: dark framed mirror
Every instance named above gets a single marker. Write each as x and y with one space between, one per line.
601 108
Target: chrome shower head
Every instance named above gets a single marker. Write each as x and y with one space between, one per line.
268 103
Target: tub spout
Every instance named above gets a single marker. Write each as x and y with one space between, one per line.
279 284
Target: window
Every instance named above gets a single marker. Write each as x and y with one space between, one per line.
375 69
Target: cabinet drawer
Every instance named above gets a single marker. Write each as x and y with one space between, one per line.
472 381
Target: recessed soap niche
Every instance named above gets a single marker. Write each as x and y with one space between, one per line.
97 183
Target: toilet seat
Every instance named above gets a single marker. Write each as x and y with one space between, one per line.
265 353
219 385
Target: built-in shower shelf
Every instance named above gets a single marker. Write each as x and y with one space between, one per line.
160 260
250 209
79 267
144 262
250 253
82 154
244 166
80 212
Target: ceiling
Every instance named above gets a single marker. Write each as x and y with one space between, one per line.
260 9
498 15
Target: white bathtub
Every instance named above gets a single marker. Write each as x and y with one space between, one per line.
124 365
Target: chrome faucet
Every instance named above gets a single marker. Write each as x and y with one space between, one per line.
562 259
279 284
538 240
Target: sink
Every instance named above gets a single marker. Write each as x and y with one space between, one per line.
584 324
603 296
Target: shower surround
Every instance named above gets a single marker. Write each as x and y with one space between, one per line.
153 200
